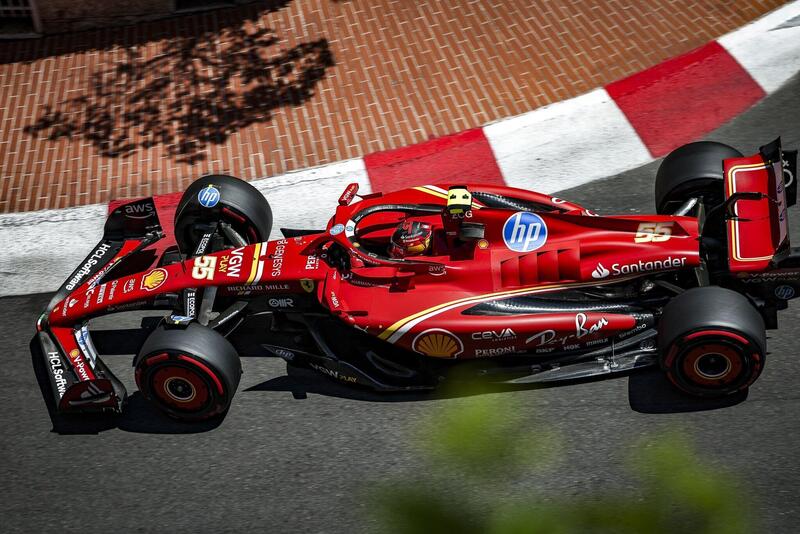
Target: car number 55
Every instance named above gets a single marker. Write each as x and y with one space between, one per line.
653 232
204 267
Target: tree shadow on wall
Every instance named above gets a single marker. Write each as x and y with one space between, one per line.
195 91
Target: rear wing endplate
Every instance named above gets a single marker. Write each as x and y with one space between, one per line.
758 191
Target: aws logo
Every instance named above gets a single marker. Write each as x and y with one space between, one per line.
139 211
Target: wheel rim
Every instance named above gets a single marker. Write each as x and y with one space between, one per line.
181 385
180 388
712 365
713 362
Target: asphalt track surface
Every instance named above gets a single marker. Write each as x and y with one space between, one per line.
288 461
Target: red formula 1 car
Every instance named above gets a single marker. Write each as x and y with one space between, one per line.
401 287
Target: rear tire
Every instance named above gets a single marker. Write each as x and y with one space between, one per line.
712 342
693 170
191 374
237 203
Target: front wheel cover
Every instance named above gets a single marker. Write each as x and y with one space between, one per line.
189 373
183 386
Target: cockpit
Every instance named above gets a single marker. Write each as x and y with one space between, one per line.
402 234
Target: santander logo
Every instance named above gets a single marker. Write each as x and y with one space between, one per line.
600 272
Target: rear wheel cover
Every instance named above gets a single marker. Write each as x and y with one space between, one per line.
712 341
713 363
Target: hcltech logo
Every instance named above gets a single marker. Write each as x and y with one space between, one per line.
208 197
524 232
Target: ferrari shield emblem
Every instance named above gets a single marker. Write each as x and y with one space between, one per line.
307 285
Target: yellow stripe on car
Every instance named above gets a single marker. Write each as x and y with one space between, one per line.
254 268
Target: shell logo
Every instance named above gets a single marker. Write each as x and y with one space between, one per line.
153 280
437 343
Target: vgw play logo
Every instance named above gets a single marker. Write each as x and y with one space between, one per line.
524 232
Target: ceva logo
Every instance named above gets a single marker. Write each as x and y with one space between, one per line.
524 232
600 272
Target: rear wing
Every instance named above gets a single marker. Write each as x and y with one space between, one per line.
758 191
78 379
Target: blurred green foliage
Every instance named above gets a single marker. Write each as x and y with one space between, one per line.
477 449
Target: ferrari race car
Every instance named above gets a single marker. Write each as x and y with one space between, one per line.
400 288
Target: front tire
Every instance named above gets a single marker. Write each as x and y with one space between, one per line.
191 373
712 342
219 198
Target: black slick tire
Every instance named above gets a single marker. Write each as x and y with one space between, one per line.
712 342
227 199
189 373
692 170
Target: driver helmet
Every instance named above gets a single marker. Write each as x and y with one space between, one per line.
411 238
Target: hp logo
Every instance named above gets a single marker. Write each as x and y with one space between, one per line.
208 197
784 292
524 232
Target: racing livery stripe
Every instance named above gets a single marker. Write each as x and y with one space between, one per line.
260 253
254 267
396 331
441 193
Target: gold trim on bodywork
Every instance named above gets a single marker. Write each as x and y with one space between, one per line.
442 194
254 267
733 224
395 331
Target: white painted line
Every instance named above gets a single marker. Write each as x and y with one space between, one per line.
41 248
307 199
566 144
768 48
